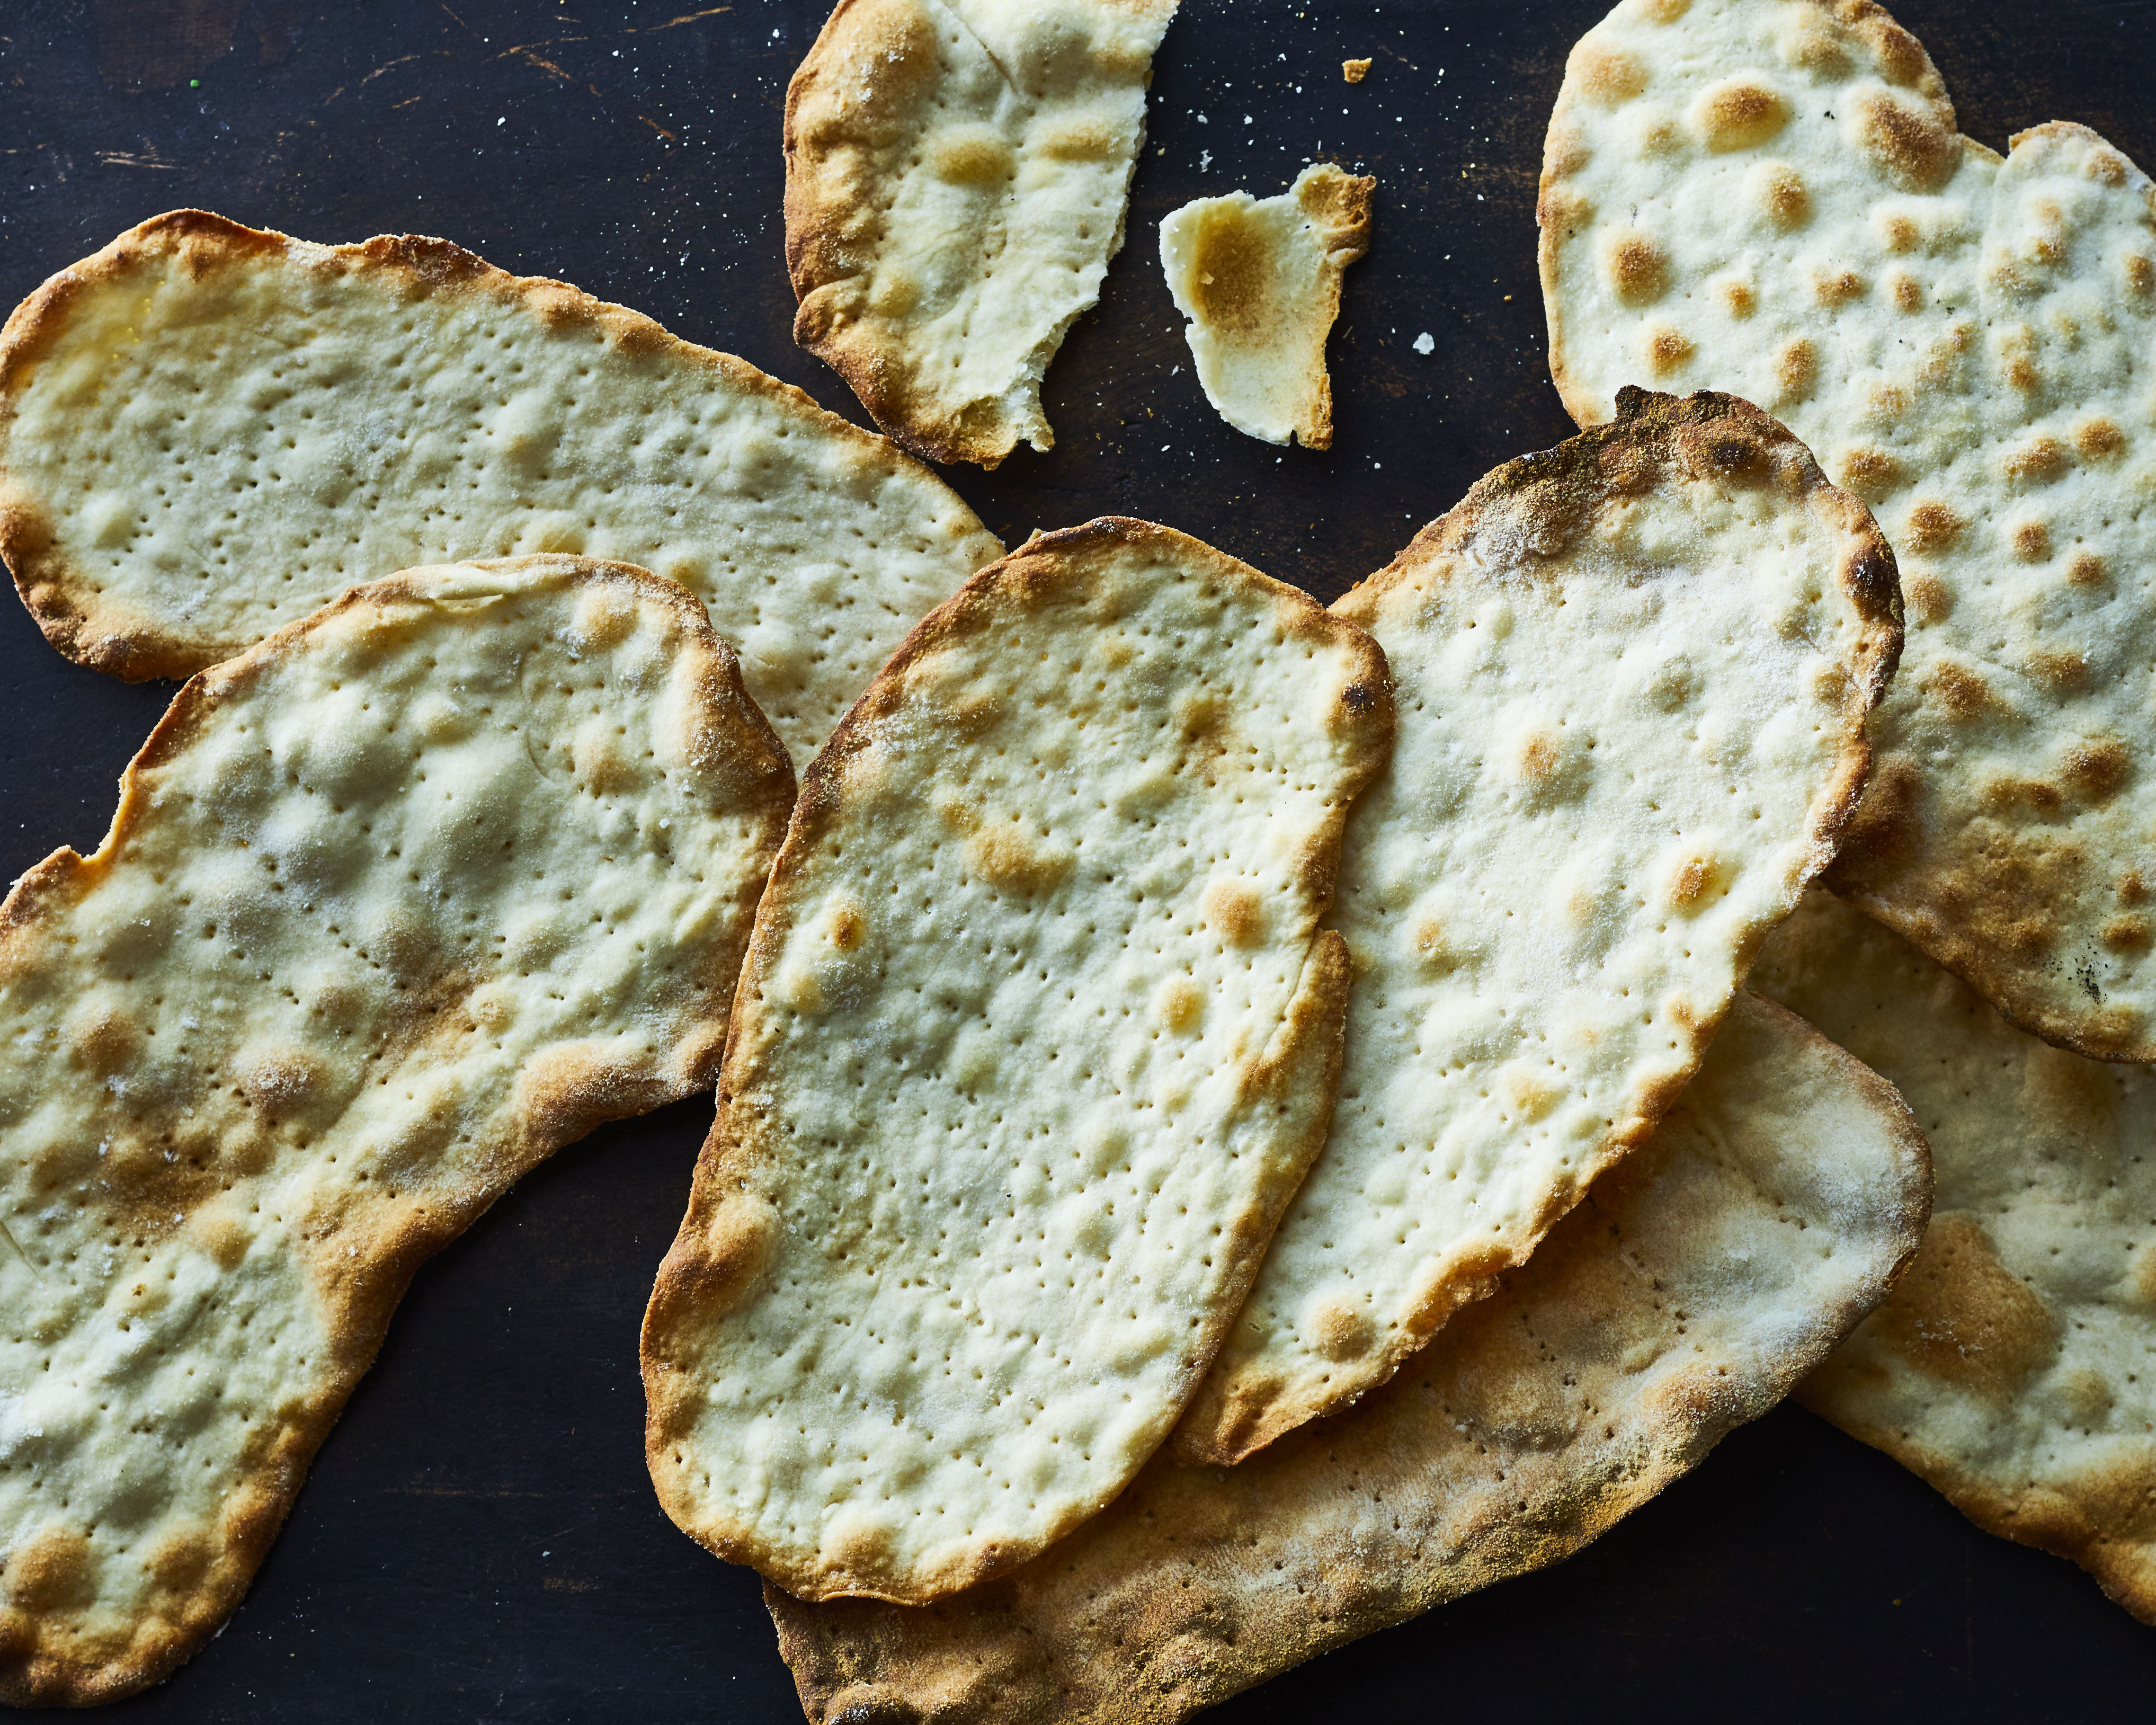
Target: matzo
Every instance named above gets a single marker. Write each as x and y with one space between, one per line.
956 176
397 903
1036 1036
1685 1296
1632 675
1261 283
1769 196
207 431
2015 1367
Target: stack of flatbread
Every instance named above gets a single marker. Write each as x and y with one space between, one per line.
1236 1122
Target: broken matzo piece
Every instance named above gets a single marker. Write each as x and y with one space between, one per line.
1036 1037
1261 283
2014 1366
395 904
1769 196
1632 675
1693 1286
207 431
956 177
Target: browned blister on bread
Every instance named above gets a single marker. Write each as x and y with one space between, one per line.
1691 1288
1633 674
2014 1366
1770 196
395 905
1037 1034
207 431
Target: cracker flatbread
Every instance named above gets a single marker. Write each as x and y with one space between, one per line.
956 176
1632 675
395 904
1683 1298
2014 1366
1036 1037
207 431
1261 283
1769 196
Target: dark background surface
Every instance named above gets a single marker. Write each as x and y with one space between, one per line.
480 1540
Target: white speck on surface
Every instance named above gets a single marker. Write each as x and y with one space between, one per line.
1425 342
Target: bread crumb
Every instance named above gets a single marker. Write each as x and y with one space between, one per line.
1354 71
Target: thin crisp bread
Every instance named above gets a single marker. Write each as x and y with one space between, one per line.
1261 283
1694 1285
2014 1366
956 172
1632 675
1037 1035
395 905
1770 196
207 431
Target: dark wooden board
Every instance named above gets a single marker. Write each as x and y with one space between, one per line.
479 1539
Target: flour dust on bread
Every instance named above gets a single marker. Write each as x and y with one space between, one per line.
956 176
2014 1366
1037 1035
395 904
1691 1288
1769 196
207 431
1261 283
1632 675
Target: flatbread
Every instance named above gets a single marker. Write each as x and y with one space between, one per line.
1036 1038
1769 196
1632 675
2015 1367
395 904
1697 1283
207 431
1261 283
956 176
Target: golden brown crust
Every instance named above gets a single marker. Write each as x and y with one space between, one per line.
92 627
1570 1398
1545 502
43 1661
1298 1069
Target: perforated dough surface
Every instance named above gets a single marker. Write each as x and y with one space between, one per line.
1036 1036
207 431
1632 677
2014 1366
1769 196
1260 282
394 905
1694 1285
956 172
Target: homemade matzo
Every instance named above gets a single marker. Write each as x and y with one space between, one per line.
1769 196
956 176
1683 1298
1036 1036
1261 283
2014 1366
207 431
395 904
1632 675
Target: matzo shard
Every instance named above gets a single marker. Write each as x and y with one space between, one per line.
207 431
1769 196
1037 1035
395 905
1632 675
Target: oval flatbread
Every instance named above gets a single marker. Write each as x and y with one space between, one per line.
1632 675
1770 196
1606 1366
207 431
395 905
1037 1035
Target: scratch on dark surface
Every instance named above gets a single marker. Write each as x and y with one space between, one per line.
674 23
121 158
406 103
529 59
385 66
657 127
